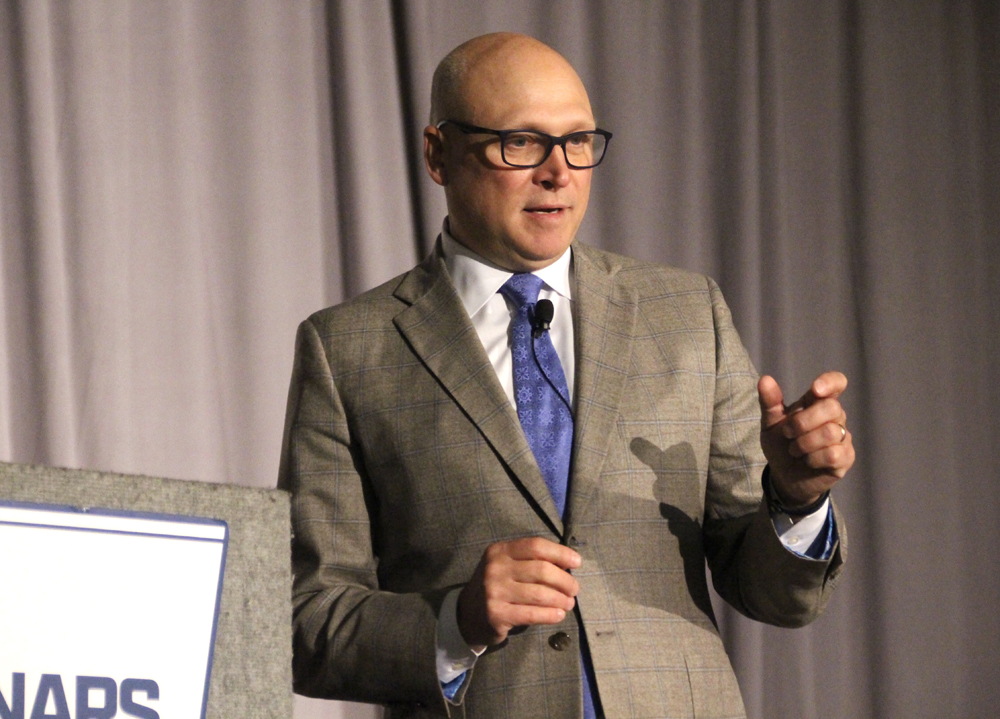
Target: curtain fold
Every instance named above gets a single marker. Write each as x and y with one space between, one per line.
181 183
375 207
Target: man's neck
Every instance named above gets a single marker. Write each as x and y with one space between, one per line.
526 266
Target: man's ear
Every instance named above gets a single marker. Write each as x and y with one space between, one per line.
434 155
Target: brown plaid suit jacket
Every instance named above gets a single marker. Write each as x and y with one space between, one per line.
405 459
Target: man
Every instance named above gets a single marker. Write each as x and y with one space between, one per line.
507 514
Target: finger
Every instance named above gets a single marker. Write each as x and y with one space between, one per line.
825 435
772 407
499 569
500 617
834 460
546 574
539 548
501 590
519 615
829 384
504 574
813 417
536 595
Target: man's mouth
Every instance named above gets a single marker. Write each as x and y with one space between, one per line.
544 210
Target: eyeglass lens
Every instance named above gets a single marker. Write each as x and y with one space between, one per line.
526 149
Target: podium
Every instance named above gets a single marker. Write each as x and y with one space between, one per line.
130 596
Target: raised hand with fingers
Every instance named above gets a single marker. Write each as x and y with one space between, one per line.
807 443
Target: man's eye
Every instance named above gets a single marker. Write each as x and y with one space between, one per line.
520 142
581 140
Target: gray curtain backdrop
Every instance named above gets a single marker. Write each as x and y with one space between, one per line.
182 182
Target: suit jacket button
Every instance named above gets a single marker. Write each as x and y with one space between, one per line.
560 641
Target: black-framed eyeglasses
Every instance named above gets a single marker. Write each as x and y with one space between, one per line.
530 148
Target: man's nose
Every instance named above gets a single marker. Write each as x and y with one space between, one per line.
554 172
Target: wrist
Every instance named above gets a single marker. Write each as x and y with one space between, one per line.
779 506
466 630
454 655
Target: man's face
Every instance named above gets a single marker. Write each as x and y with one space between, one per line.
520 219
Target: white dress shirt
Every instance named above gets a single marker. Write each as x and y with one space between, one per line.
478 282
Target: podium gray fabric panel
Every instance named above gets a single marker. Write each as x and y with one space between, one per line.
252 665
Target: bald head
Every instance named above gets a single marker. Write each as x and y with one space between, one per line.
494 67
519 218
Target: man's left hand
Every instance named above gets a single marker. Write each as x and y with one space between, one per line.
807 443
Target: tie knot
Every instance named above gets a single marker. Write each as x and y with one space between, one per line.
522 288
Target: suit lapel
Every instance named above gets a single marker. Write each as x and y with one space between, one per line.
441 334
604 322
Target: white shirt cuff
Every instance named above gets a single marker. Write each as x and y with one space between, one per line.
799 536
454 656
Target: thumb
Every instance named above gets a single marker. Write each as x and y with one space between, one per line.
772 401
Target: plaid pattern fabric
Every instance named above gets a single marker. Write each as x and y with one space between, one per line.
405 459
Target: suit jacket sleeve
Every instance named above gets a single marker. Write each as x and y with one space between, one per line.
351 640
751 569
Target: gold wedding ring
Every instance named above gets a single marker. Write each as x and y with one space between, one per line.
843 432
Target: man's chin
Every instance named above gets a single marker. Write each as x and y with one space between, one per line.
535 254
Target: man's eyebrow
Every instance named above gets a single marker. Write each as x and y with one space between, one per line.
584 127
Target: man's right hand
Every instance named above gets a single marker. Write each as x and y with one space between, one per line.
521 582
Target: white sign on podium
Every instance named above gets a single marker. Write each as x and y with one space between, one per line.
107 614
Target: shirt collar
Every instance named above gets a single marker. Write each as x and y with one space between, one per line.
477 279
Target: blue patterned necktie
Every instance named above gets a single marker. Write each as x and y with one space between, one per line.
542 396
542 399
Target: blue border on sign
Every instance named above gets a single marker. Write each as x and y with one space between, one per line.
180 518
215 621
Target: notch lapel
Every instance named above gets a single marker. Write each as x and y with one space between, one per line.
441 334
604 324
